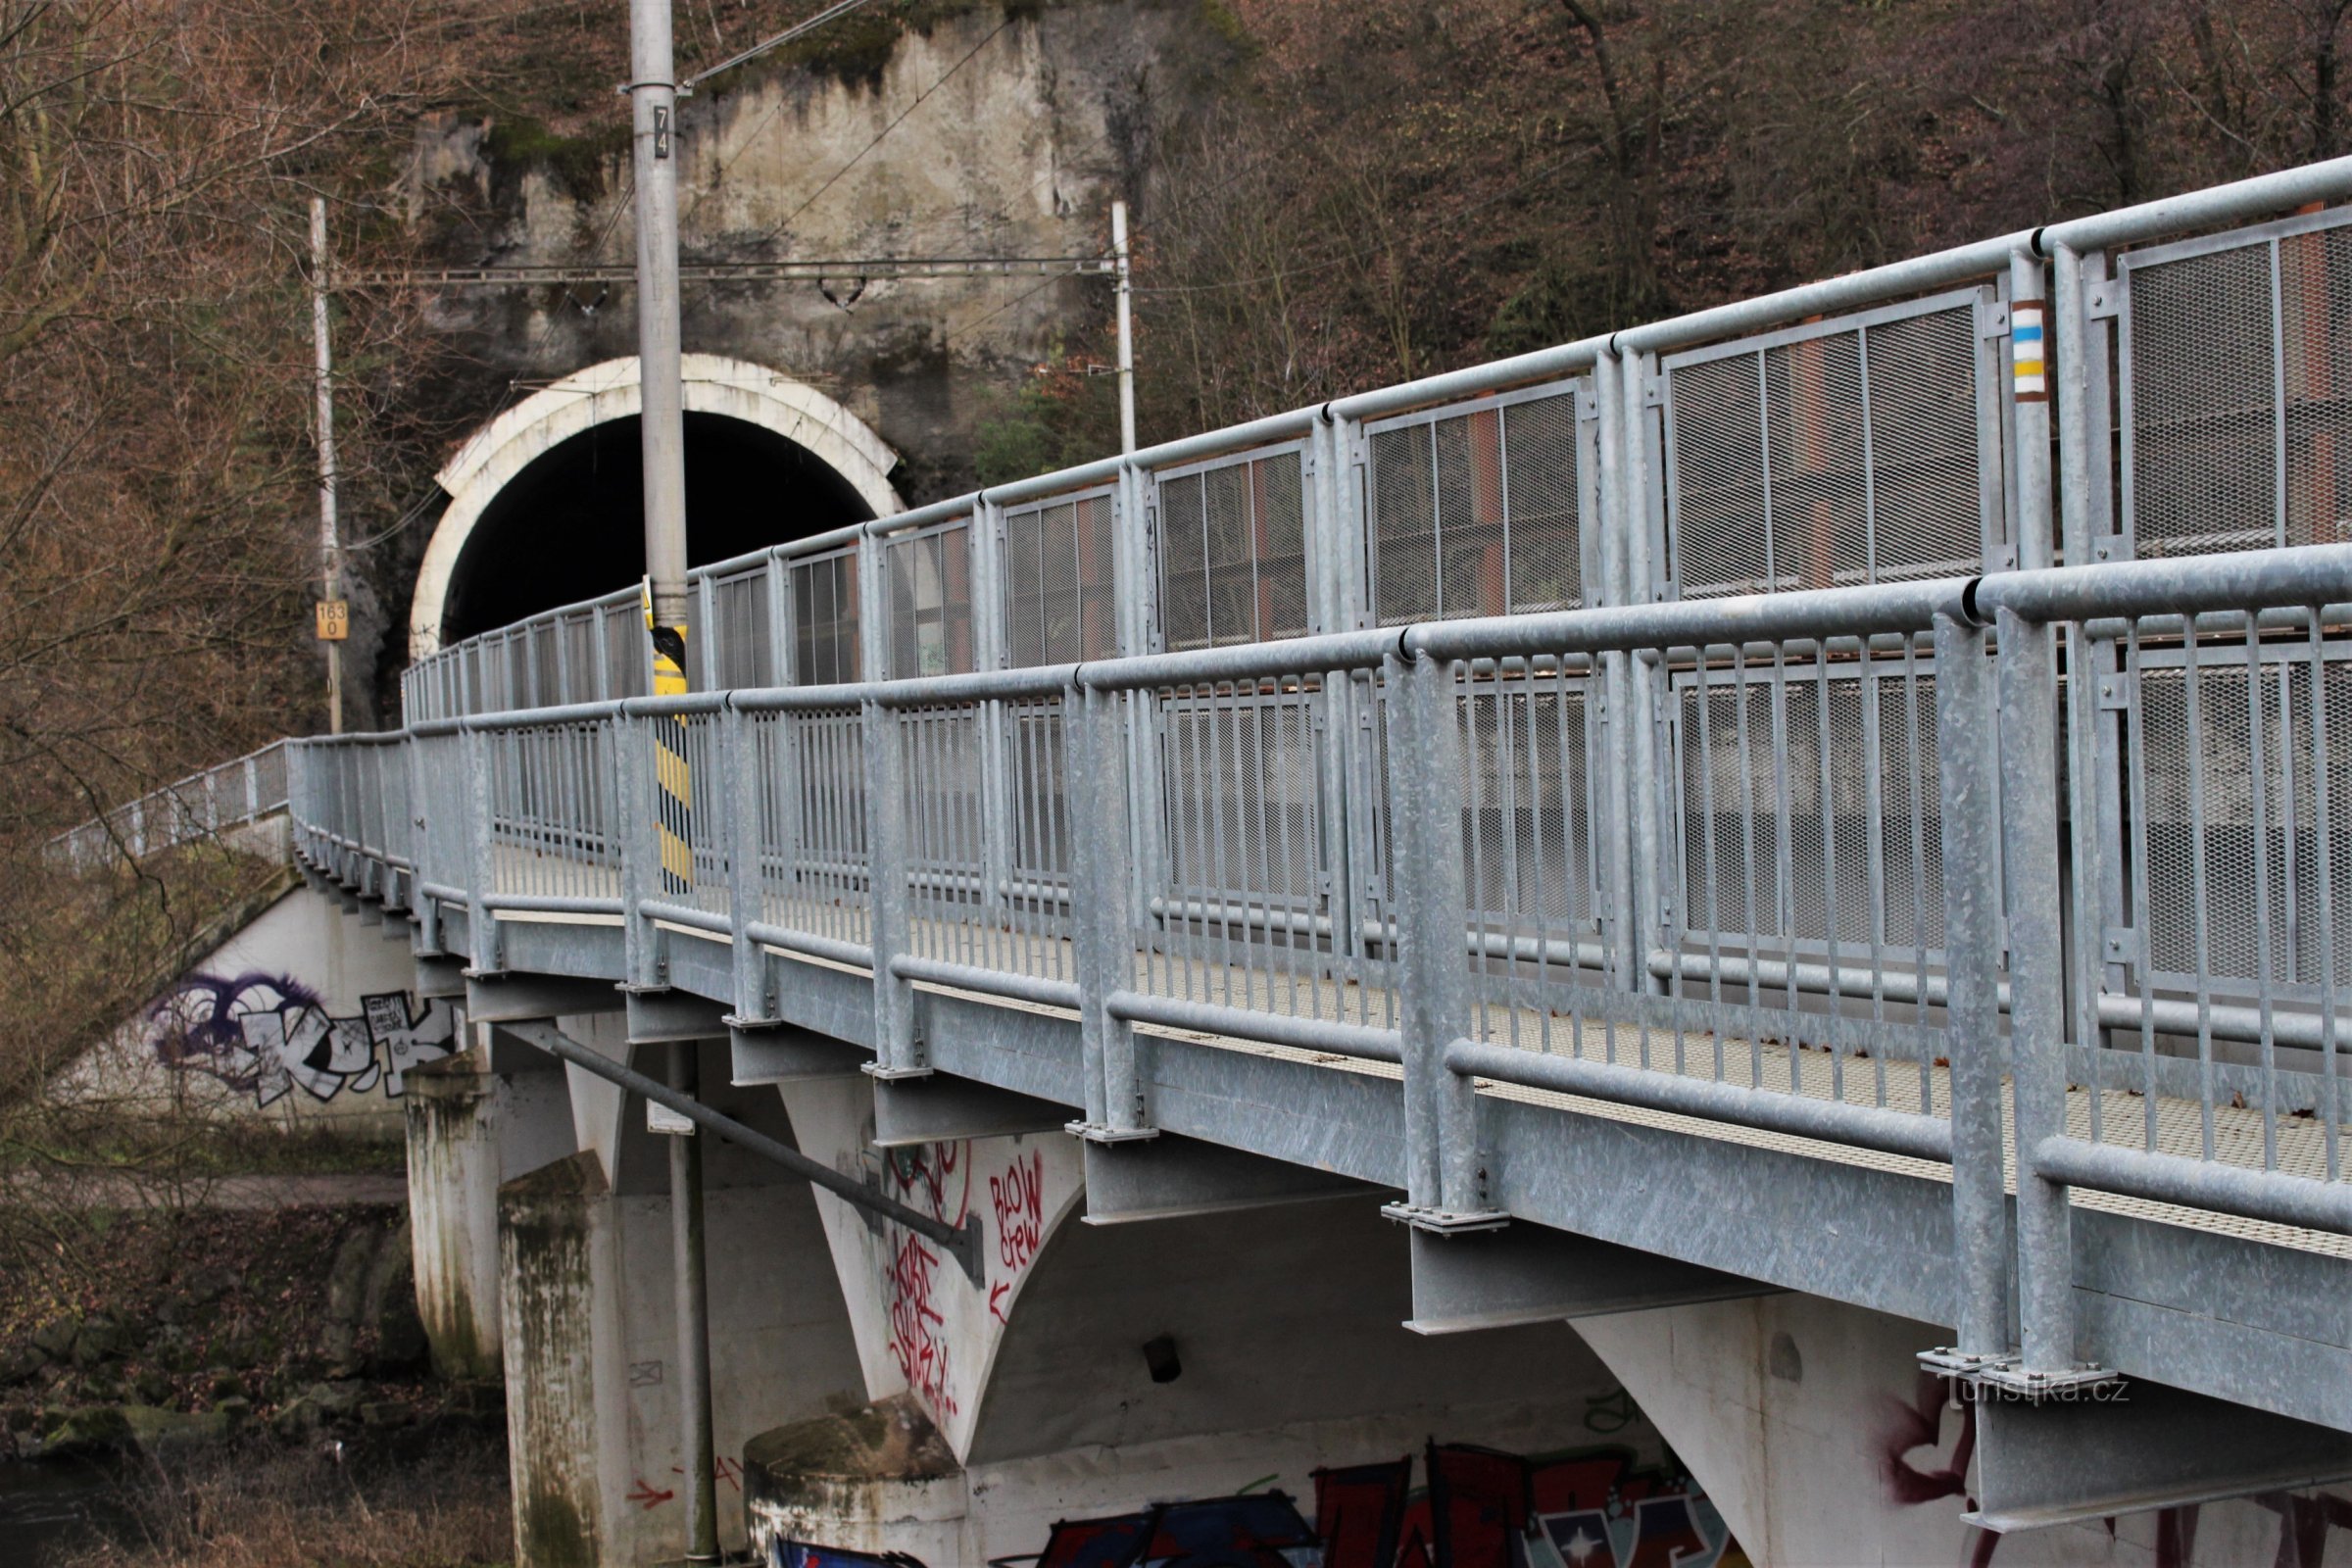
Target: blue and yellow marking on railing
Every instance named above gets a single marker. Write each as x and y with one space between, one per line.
674 782
2026 362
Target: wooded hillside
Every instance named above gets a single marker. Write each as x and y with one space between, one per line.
1379 189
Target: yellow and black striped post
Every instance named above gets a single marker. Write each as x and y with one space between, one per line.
673 784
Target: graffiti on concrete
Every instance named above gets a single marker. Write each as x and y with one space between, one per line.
799 1554
1260 1530
1018 1196
1907 1431
943 1180
936 1179
269 1034
1481 1507
918 1338
1484 1508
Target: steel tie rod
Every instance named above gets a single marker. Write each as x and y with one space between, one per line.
961 1242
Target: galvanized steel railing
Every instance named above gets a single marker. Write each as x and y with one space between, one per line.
1693 720
249 789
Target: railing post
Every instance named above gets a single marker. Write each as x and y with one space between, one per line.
2028 697
739 740
997 720
2029 807
1621 934
639 834
1646 743
481 929
1445 1178
706 611
897 1046
1967 742
1095 743
600 653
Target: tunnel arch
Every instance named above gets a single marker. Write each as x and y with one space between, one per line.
578 436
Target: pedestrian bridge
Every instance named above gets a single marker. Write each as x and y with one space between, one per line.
1842 793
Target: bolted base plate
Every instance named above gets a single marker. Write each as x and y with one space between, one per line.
1099 1132
2008 1376
1446 1221
1950 1361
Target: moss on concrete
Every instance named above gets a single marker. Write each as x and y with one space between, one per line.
576 164
891 1439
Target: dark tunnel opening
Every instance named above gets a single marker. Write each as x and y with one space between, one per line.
572 524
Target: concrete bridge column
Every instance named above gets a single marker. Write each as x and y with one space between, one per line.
588 1321
1820 1439
474 1119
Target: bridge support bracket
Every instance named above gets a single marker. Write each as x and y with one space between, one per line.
520 998
940 1109
657 1015
1102 1132
2123 1446
1445 1221
1168 1177
439 977
774 1052
1528 1273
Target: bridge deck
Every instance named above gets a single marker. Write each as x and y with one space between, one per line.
1877 1080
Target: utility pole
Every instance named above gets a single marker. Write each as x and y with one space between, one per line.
333 617
652 105
1118 250
653 100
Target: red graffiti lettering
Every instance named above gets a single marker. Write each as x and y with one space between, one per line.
722 1468
646 1497
996 1302
1019 1200
933 1177
914 1341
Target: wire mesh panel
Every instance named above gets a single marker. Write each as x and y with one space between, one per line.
444 846
2236 355
552 824
931 601
990 888
1057 581
1860 449
1037 774
813 862
745 647
2232 938
583 679
1232 551
398 821
1799 849
824 619
1528 857
546 662
1239 914
1484 511
2226 778
1809 815
627 651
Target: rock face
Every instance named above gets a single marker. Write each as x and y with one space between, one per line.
1006 135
